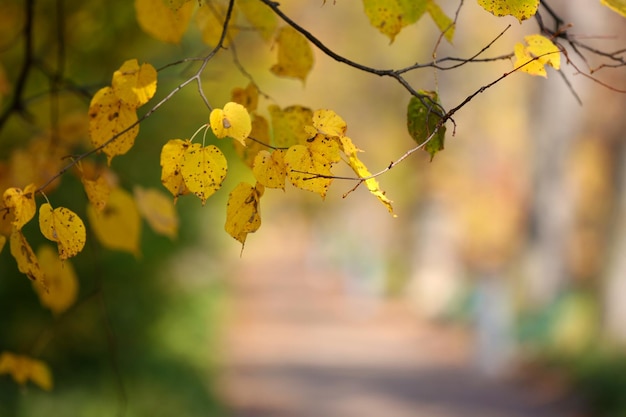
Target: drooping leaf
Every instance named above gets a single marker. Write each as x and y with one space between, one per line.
269 169
520 9
203 170
133 84
108 117
618 6
247 97
21 203
64 227
24 368
295 56
422 120
167 24
26 259
118 226
540 51
210 19
243 213
233 121
305 164
259 139
390 16
171 160
61 281
359 168
260 17
289 125
158 210
442 20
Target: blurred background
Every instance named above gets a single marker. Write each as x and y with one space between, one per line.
504 262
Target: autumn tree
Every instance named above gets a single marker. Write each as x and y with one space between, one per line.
66 121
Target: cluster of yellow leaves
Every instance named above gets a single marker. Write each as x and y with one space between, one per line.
538 52
23 369
113 122
391 16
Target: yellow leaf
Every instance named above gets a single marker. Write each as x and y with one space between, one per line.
64 227
133 84
305 163
289 125
618 6
162 22
203 170
158 210
260 17
233 121
97 191
61 281
243 214
21 204
359 168
23 368
210 20
26 259
261 135
443 22
269 169
247 97
390 16
539 52
171 159
108 117
328 123
521 9
295 56
118 227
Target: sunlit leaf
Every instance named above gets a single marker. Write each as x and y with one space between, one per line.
422 119
540 51
64 227
134 84
243 214
618 6
26 259
21 203
118 226
260 17
61 282
233 121
167 24
171 159
210 19
328 123
247 97
390 16
203 170
521 9
295 56
269 169
158 210
108 117
289 124
24 368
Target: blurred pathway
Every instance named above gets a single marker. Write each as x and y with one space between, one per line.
298 346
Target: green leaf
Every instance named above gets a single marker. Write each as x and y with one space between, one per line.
390 16
423 116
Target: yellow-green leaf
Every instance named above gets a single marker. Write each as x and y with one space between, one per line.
203 170
61 281
26 259
269 169
233 121
260 17
21 204
134 84
243 213
289 125
158 210
422 120
295 56
118 226
23 369
618 6
164 23
308 167
171 159
108 117
540 51
443 22
64 227
521 9
390 16
210 19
